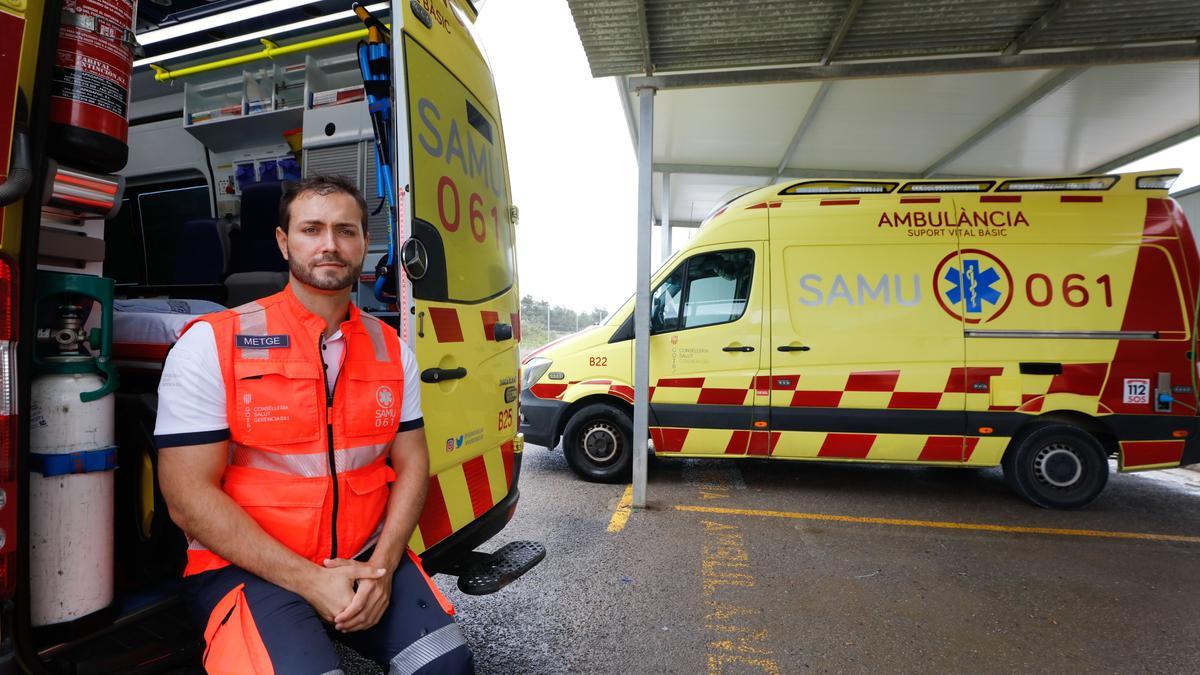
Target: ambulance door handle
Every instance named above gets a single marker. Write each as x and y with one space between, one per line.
502 331
792 348
737 348
434 375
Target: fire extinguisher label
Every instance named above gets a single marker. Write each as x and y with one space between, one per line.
92 68
85 86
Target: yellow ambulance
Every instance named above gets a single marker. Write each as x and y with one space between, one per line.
1042 325
133 200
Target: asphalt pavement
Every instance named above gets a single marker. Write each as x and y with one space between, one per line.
775 567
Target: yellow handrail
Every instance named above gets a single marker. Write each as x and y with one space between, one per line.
270 50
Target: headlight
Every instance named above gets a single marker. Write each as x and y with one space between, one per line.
533 371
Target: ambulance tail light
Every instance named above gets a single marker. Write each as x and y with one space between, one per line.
1059 184
833 187
957 186
1163 182
8 427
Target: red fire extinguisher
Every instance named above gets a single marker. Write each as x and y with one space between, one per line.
89 109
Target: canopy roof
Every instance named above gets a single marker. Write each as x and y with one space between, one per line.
754 91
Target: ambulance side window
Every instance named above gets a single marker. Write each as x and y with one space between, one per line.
665 303
718 286
705 290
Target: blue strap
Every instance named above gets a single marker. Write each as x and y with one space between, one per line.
88 461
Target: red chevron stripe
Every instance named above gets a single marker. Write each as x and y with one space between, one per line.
942 449
683 382
1085 379
435 520
715 396
762 443
915 400
445 324
816 399
737 443
507 453
883 380
490 319
477 484
667 439
847 446
1145 453
963 380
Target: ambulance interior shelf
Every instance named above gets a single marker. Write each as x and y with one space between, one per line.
224 110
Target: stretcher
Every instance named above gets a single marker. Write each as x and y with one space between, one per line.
144 329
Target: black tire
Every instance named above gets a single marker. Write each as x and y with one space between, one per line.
598 443
1056 466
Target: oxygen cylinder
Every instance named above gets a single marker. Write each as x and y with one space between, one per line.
89 104
72 443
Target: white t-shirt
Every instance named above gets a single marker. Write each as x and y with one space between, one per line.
191 395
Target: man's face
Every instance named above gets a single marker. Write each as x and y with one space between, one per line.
325 244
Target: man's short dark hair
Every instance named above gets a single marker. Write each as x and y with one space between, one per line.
322 185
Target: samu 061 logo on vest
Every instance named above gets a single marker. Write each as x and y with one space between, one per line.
385 414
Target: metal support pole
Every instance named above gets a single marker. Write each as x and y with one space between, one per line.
641 312
665 241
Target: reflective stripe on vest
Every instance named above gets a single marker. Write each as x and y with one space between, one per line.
311 465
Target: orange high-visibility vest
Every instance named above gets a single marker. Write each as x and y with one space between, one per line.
309 469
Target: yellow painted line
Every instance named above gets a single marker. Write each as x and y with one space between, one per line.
621 515
901 522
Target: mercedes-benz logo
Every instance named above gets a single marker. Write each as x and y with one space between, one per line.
415 259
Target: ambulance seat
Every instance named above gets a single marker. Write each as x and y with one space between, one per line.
257 250
199 253
259 269
246 287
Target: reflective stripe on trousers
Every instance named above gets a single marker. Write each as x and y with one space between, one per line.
427 650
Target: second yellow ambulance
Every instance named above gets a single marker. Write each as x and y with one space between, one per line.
1043 325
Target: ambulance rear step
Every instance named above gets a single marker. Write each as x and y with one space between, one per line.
482 573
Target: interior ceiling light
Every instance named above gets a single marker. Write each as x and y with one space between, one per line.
250 37
217 20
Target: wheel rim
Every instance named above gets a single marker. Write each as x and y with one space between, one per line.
601 442
1058 465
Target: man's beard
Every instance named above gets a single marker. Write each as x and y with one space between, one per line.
326 281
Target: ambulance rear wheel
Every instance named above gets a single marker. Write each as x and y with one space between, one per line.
1057 466
598 443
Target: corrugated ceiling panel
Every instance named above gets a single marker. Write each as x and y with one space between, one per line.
1092 22
710 34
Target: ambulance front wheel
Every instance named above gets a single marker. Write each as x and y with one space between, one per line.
1057 466
598 443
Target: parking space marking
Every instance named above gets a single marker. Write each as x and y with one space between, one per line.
620 515
945 525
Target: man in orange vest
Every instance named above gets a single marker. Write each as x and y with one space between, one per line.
292 455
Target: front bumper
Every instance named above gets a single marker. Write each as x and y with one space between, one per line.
540 419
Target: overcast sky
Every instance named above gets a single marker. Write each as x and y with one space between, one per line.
572 164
